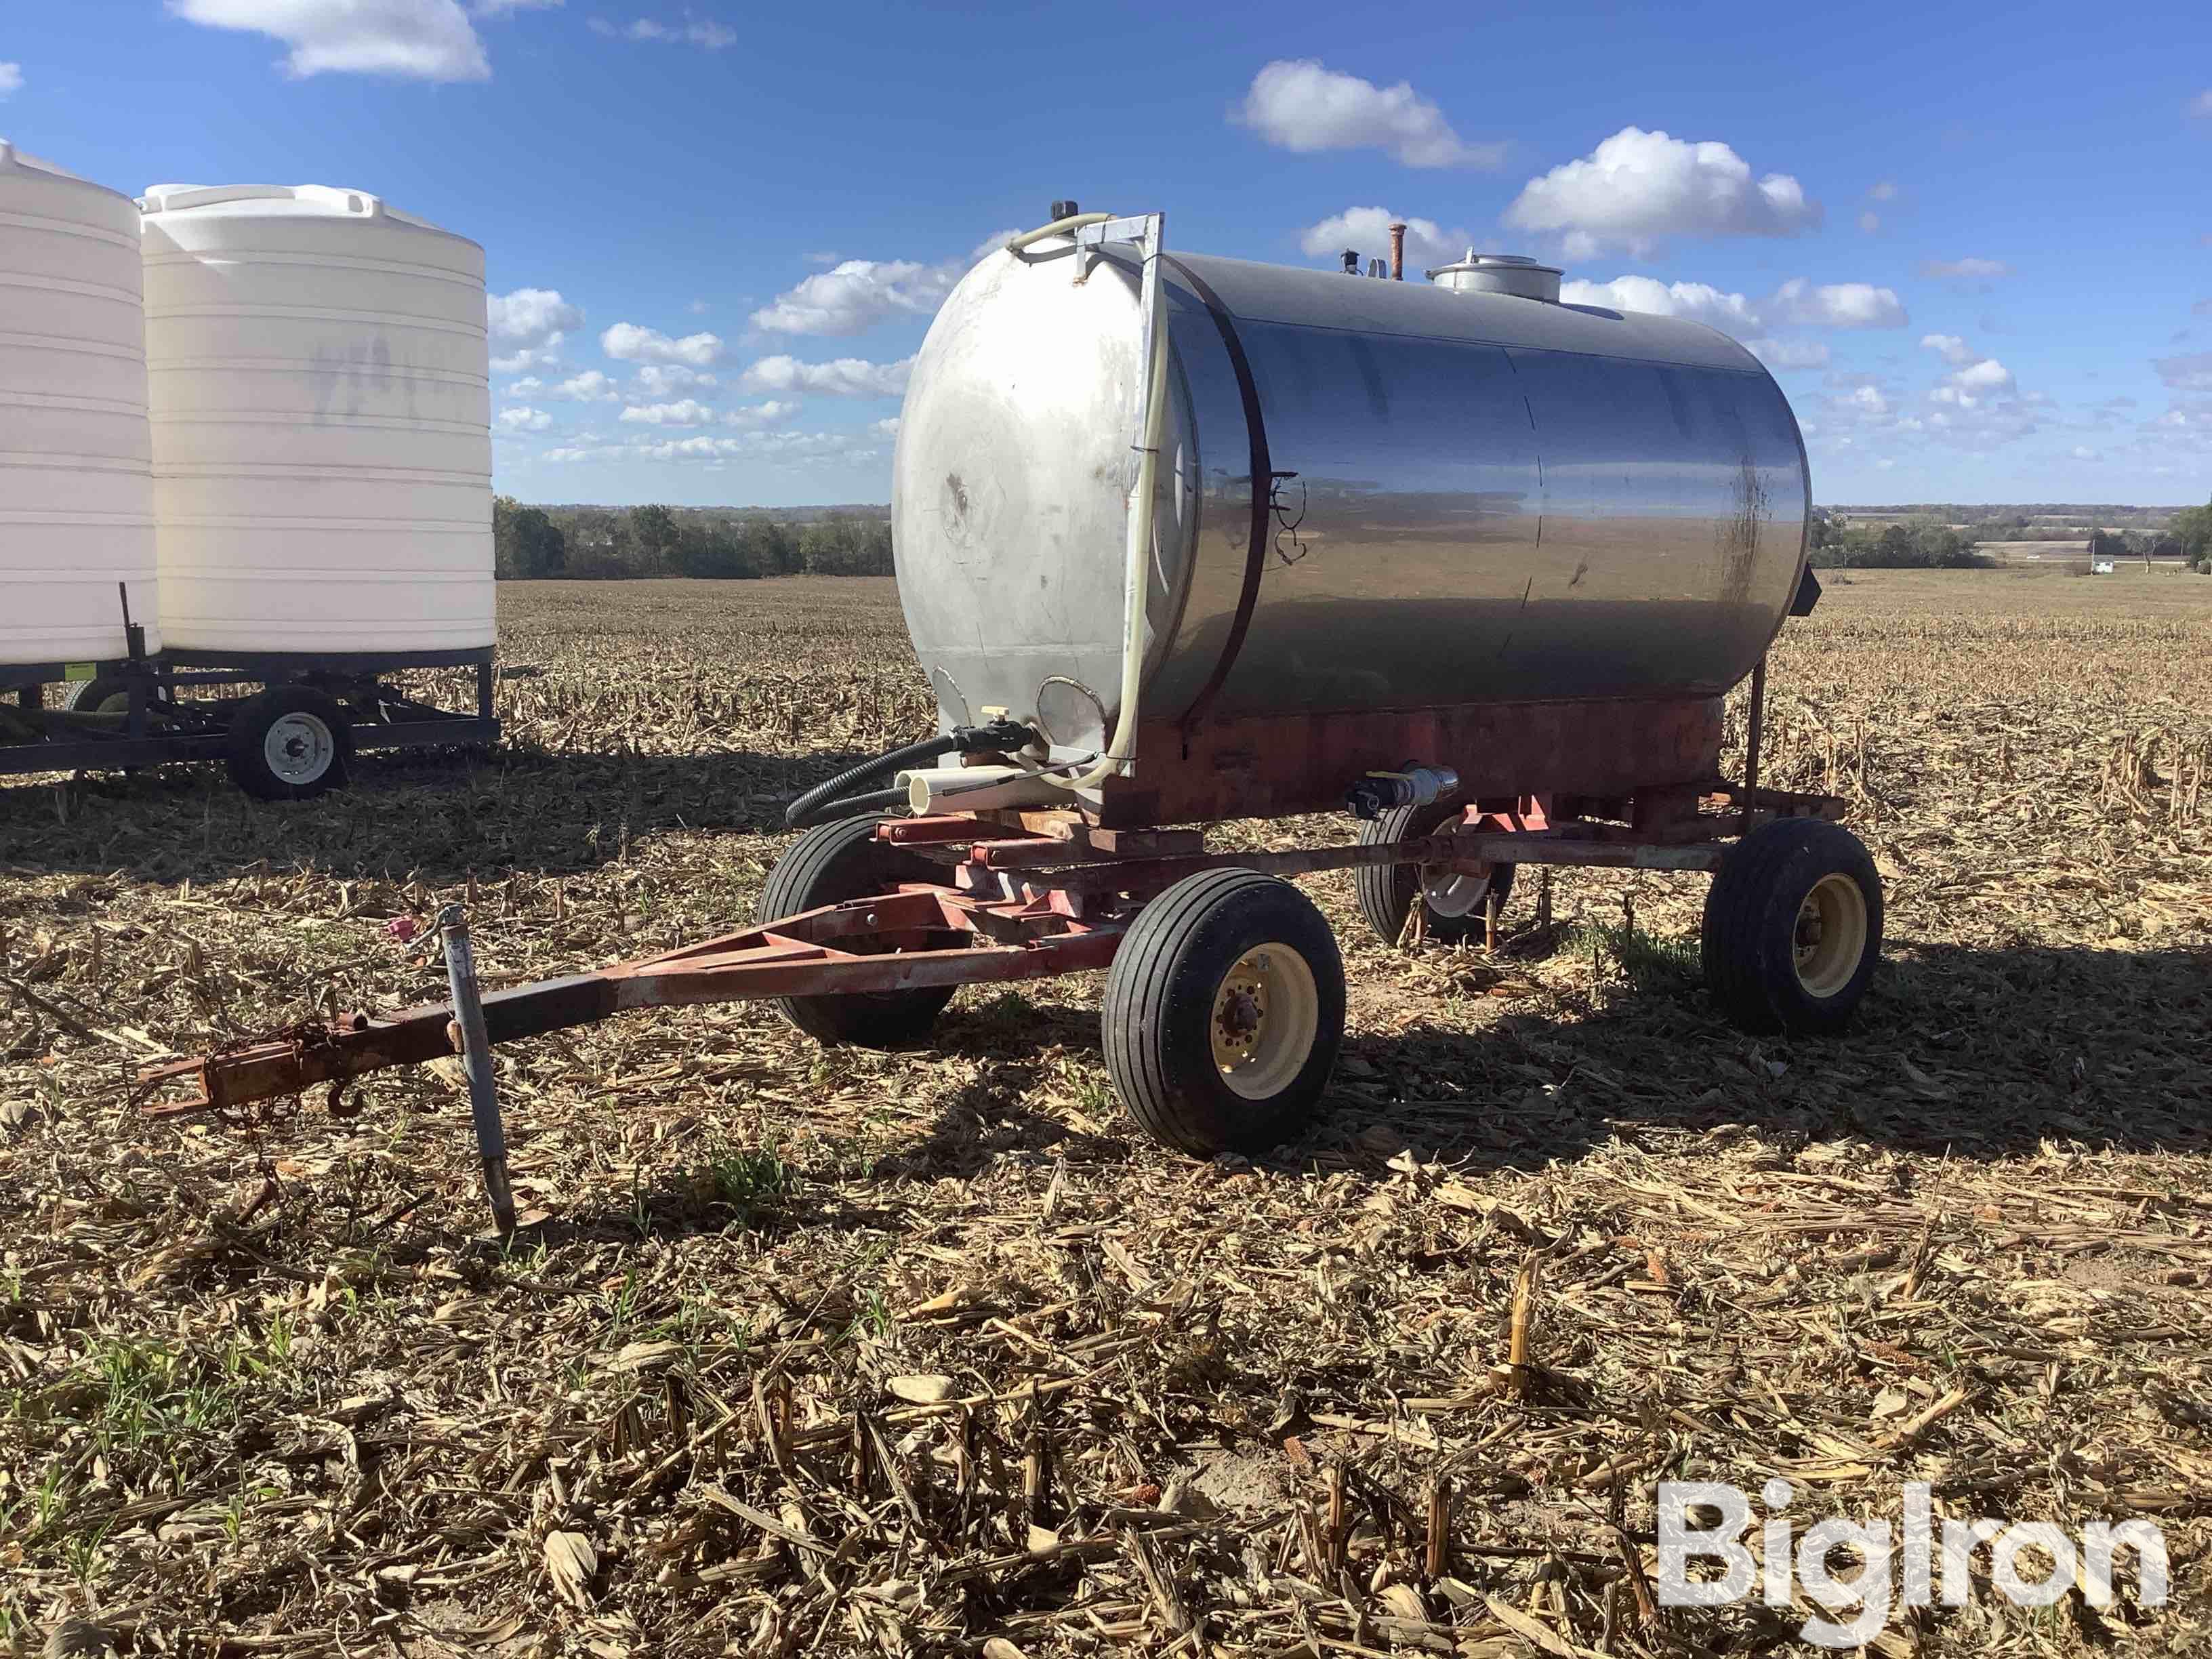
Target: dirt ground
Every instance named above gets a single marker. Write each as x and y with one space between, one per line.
930 1353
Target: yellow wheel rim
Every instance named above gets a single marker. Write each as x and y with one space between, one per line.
1830 937
1266 1014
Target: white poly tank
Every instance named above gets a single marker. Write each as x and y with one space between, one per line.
320 388
76 499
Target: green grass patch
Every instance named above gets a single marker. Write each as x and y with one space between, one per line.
1651 964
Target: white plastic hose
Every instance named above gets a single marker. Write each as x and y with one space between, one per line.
1068 226
1136 578
1137 568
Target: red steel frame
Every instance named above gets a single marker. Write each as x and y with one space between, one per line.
1037 894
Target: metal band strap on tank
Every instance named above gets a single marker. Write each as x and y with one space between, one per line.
1255 550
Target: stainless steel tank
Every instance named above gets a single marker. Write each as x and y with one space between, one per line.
1462 498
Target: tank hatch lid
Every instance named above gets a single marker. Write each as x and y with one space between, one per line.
280 201
1499 273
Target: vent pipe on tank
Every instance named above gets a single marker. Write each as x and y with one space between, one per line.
1398 252
1500 273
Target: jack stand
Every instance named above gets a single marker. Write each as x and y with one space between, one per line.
469 1037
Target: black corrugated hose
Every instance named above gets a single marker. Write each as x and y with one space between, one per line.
820 804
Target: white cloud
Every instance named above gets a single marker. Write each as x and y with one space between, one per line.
857 293
693 31
887 427
1978 424
589 388
11 78
801 449
1967 270
524 419
1790 354
1884 191
1869 222
526 384
771 413
2190 373
628 343
1700 303
509 7
1984 376
690 412
531 316
422 39
843 377
534 321
1298 104
1976 407
2201 105
2083 452
1797 302
1638 188
664 380
2186 426
1837 305
518 363
1368 229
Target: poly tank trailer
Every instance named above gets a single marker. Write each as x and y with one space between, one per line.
320 397
285 447
1183 539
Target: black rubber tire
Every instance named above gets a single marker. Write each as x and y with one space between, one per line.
86 696
828 864
1386 891
1159 1009
249 729
1748 944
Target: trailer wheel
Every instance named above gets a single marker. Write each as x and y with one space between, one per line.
1793 928
1224 1008
106 695
1388 892
289 743
828 864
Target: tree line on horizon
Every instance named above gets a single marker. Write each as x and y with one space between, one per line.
625 544
601 543
1925 541
1921 543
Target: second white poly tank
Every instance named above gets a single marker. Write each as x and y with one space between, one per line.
320 388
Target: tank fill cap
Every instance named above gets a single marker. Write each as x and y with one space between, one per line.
1500 273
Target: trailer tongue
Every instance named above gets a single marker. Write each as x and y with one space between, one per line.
857 948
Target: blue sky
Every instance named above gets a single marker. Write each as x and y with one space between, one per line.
1975 245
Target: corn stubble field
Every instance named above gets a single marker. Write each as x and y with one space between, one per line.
929 1353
